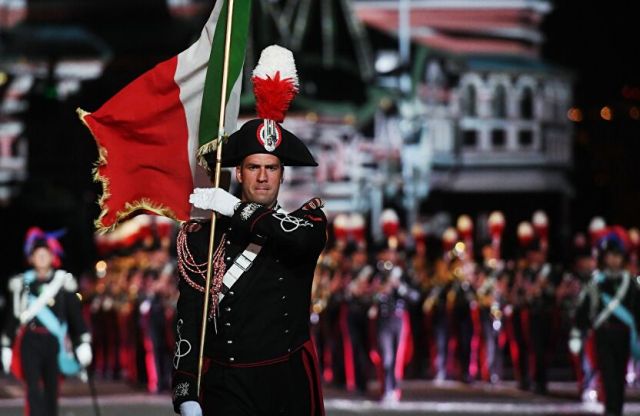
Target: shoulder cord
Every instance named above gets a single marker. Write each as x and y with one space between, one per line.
186 263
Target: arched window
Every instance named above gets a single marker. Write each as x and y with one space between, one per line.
526 103
499 103
469 101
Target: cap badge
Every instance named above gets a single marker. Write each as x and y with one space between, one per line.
269 135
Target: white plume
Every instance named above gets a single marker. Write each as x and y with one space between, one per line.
275 58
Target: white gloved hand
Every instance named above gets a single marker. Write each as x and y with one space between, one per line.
575 345
84 354
7 355
215 199
575 341
190 408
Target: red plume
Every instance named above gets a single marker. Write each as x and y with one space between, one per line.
273 96
275 82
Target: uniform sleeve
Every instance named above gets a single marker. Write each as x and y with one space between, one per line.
636 300
11 323
301 232
78 329
188 322
583 305
187 336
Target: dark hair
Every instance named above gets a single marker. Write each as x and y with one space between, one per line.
39 243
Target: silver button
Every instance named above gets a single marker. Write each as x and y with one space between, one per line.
280 279
286 331
232 359
284 297
286 314
228 242
228 258
228 309
229 228
277 260
229 341
288 349
231 293
227 324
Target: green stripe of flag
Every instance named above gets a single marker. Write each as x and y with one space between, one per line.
210 111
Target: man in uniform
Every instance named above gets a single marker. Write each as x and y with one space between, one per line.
610 306
260 358
540 299
392 294
44 312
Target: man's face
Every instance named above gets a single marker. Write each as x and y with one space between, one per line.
585 265
260 176
613 260
41 258
536 257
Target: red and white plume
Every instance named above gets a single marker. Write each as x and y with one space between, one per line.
275 82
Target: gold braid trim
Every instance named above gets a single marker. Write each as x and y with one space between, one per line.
129 207
210 147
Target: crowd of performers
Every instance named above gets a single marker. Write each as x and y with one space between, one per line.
130 305
389 311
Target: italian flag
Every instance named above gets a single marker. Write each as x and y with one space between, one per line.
150 133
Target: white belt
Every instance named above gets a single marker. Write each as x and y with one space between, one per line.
241 264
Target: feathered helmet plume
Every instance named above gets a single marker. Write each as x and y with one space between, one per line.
275 85
36 237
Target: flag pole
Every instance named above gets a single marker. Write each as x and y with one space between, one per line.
216 183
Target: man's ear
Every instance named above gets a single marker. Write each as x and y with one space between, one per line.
239 173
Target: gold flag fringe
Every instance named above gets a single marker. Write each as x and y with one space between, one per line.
210 147
130 207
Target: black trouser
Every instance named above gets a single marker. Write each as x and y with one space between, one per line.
389 332
288 388
464 333
358 331
523 348
539 336
39 360
612 351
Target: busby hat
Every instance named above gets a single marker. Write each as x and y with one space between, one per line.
36 238
614 240
275 84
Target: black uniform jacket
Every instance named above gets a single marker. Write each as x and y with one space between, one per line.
265 315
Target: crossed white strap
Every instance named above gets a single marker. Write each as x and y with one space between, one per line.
241 264
47 294
617 299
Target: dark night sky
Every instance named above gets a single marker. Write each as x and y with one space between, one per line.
597 42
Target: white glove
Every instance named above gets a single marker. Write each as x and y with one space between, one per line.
190 408
575 341
7 354
215 199
84 354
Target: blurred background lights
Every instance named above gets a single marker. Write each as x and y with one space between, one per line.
101 269
606 113
574 114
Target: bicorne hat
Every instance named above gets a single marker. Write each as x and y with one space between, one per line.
275 84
